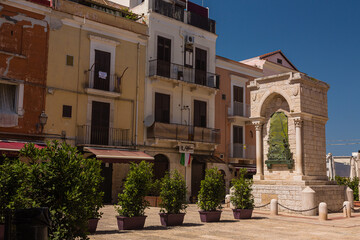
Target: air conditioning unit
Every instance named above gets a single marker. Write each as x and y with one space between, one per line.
190 39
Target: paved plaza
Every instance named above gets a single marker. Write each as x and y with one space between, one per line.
261 226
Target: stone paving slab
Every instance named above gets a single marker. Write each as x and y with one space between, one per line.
261 226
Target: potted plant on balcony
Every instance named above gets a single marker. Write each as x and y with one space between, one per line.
242 198
132 204
211 194
173 196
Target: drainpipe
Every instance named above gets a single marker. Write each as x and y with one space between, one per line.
137 93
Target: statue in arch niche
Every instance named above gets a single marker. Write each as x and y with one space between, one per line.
279 149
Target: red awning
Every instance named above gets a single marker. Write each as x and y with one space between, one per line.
14 146
119 156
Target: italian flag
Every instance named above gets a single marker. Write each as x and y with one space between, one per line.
185 159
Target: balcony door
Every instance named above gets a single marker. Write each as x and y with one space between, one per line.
162 108
238 101
163 56
238 141
199 113
102 70
200 66
100 118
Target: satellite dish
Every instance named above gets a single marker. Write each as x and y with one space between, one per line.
149 121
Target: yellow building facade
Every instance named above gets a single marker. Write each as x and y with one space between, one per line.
95 84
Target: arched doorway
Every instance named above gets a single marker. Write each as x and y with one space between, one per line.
197 174
161 166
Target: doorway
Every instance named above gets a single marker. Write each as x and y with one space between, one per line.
197 174
106 186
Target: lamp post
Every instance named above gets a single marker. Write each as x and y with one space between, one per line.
42 121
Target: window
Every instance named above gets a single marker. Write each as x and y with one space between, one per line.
238 101
200 66
69 60
67 110
199 114
163 56
223 96
279 61
188 56
162 108
11 103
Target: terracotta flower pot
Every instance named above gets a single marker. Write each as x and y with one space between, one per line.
242 213
92 224
168 219
130 223
211 216
2 231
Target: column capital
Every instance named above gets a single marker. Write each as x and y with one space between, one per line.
298 122
258 125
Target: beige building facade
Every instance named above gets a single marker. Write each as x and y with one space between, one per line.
95 85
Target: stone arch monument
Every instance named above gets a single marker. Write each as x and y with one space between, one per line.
289 111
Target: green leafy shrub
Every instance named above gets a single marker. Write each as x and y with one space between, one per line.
242 197
13 183
132 201
61 179
173 193
353 184
155 188
212 190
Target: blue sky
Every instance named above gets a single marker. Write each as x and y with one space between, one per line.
320 37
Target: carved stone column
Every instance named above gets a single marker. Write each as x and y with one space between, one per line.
299 156
259 151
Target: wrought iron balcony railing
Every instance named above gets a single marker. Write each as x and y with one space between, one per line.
182 73
183 133
202 22
103 81
240 109
240 150
94 135
169 10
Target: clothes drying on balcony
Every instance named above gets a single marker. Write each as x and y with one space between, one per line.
119 156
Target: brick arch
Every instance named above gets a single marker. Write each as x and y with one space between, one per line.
270 94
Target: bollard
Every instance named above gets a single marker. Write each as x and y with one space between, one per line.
350 196
323 211
308 201
274 207
347 209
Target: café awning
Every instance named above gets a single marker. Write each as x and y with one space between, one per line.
14 146
119 156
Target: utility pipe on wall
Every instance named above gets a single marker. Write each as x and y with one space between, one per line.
137 93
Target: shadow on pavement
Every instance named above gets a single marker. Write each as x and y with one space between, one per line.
104 232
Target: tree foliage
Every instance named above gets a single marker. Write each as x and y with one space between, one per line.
212 190
242 197
58 177
132 201
173 193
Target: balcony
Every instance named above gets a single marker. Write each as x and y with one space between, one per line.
240 111
93 135
181 73
244 151
170 10
183 133
199 21
103 84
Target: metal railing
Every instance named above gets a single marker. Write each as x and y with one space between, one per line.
240 109
103 81
169 10
183 132
202 22
182 73
240 150
87 134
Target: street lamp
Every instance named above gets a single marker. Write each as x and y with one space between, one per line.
42 121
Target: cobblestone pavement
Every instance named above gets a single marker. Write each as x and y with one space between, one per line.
261 226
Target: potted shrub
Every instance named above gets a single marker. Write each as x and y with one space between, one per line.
211 194
154 193
132 204
173 196
242 198
94 218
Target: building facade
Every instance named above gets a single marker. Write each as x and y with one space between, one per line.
232 105
24 34
95 85
180 87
